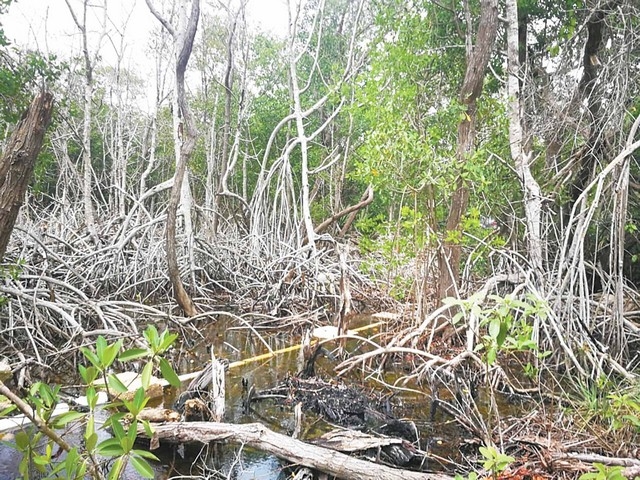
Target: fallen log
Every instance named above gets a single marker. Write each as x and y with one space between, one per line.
295 451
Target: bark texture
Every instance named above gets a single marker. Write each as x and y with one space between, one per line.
19 160
478 57
184 44
520 151
257 436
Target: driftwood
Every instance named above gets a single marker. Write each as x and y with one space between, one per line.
258 436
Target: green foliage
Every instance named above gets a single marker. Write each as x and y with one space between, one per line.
614 406
604 472
470 476
20 74
506 322
123 422
495 461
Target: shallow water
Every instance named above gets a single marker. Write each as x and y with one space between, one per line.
227 340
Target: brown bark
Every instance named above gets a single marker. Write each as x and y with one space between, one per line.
588 90
18 161
258 436
477 61
352 210
185 45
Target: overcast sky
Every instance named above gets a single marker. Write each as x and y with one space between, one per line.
47 25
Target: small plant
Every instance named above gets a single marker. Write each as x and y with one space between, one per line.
604 472
495 461
120 447
470 476
507 322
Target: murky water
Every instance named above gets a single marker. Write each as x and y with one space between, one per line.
228 339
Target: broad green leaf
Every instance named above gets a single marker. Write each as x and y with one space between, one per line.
139 401
146 375
502 333
88 374
132 433
6 411
145 454
494 328
111 353
110 448
22 440
126 444
151 334
62 420
132 354
117 468
92 357
167 340
101 345
168 374
148 429
41 460
142 467
118 429
91 441
116 384
92 397
491 356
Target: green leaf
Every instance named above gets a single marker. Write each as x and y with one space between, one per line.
502 333
92 397
142 467
118 467
146 375
126 443
492 354
494 328
145 454
22 440
168 374
110 448
6 411
132 433
91 441
101 346
62 420
111 353
148 429
92 357
133 354
139 401
41 460
166 340
118 429
71 460
151 334
116 384
88 374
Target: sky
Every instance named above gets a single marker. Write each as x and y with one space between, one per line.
47 25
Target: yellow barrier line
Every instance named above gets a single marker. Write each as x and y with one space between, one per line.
268 355
293 348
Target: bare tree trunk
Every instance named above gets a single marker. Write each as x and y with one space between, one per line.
478 56
520 150
18 162
87 168
184 43
259 437
300 130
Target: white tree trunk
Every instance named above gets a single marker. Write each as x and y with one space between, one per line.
521 155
